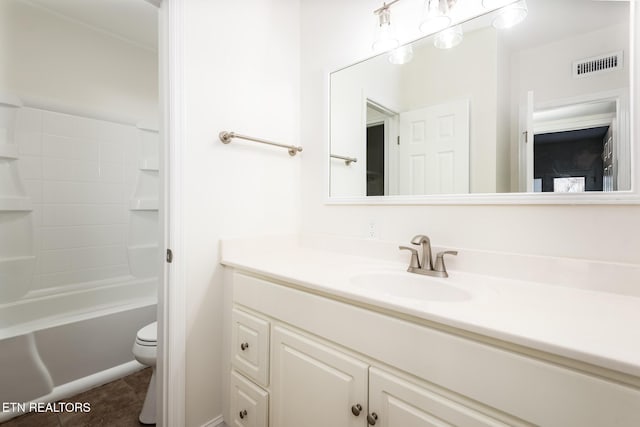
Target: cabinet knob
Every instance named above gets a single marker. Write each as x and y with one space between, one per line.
372 418
244 346
355 409
243 413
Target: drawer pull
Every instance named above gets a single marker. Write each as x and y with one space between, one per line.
244 346
355 409
372 418
243 413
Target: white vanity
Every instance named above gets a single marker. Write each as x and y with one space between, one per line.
313 345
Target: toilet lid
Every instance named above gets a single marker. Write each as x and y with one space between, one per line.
149 333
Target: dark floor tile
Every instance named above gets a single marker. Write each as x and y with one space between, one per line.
126 417
113 404
41 419
139 382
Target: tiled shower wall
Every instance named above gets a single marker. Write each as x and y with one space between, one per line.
81 174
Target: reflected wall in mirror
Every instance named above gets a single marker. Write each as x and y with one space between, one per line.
540 107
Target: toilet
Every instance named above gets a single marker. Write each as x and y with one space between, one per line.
145 352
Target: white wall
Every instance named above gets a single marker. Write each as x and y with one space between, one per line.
591 232
241 73
546 69
52 62
503 120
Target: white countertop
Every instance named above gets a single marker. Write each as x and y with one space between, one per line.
592 326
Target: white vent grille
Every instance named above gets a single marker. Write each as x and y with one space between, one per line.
597 64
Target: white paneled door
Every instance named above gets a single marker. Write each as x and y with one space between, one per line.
314 385
434 149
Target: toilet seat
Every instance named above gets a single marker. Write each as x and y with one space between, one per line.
146 344
148 336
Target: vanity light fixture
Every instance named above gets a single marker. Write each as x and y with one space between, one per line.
511 15
436 16
384 35
437 19
401 55
451 37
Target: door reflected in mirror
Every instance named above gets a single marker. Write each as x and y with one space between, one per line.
541 107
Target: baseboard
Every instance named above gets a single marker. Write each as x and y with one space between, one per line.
216 422
82 384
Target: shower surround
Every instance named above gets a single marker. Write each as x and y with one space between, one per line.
79 249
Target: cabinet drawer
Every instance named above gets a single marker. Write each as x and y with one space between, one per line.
250 346
249 403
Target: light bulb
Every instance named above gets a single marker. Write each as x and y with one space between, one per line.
436 16
448 38
401 55
385 38
511 15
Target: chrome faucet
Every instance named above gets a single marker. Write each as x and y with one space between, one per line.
425 242
425 265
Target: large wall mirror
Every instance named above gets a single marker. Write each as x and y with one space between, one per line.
542 107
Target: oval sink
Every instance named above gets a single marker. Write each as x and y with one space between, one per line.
410 286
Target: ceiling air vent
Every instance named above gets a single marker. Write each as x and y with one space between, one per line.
597 64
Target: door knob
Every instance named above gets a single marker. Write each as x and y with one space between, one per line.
243 413
372 418
355 409
244 346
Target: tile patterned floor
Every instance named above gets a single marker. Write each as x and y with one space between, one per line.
115 404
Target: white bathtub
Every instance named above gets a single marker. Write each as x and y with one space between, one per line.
54 346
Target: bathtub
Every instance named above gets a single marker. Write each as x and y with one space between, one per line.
57 345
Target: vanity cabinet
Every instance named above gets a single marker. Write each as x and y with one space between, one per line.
331 362
315 385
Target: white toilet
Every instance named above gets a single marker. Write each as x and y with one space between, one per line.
144 350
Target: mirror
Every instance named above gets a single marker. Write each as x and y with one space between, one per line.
539 107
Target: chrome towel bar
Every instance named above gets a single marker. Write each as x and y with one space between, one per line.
226 138
347 160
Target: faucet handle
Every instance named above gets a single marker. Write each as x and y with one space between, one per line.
415 262
440 261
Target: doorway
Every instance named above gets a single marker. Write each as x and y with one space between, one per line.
382 125
571 161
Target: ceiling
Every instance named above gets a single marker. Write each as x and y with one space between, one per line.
135 21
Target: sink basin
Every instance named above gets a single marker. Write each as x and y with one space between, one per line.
409 286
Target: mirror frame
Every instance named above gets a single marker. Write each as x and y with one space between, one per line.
624 197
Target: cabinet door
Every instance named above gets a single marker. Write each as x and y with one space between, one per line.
314 385
396 402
